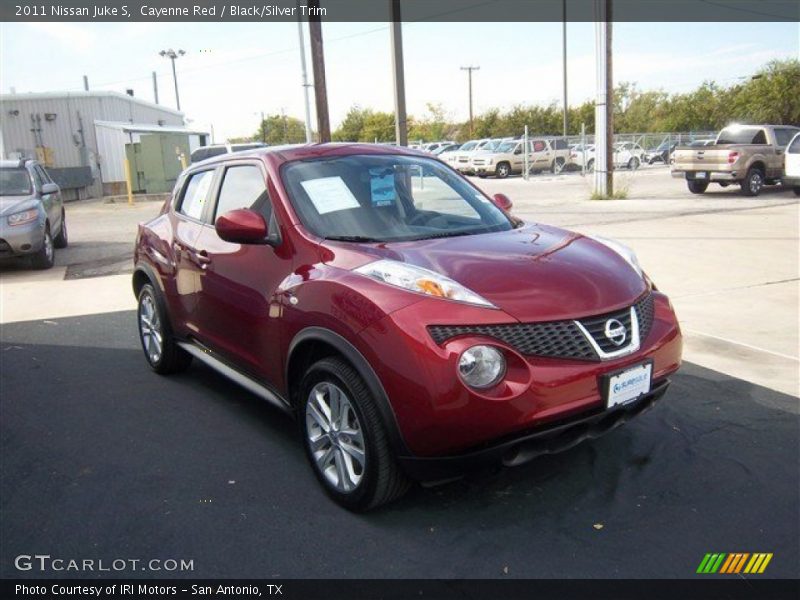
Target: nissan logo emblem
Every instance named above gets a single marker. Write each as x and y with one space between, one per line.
616 332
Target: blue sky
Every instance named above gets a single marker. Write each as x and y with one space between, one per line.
232 71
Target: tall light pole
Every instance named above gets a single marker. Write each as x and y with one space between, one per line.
400 117
318 67
564 59
172 55
469 71
306 85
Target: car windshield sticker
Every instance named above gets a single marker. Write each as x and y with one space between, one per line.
329 194
382 190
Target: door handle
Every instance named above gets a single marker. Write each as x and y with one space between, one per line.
201 258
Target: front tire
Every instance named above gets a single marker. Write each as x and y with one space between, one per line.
45 257
753 182
633 164
160 347
590 165
558 165
502 170
797 191
345 438
697 187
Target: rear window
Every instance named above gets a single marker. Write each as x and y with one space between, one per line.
15 182
784 135
742 135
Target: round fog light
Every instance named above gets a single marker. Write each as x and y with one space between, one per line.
481 366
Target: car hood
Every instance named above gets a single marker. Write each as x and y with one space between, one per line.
533 273
12 204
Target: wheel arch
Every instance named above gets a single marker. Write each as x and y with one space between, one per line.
760 165
314 343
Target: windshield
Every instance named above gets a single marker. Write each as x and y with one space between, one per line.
15 182
506 147
468 146
388 198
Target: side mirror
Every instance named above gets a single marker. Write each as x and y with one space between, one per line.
502 202
50 188
243 226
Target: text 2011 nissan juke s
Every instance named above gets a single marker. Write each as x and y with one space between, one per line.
411 324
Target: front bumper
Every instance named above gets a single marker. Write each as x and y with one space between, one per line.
438 415
484 169
522 448
21 240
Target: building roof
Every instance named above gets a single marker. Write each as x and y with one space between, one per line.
148 127
89 94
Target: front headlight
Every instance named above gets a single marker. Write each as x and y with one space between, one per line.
422 281
623 250
26 216
481 366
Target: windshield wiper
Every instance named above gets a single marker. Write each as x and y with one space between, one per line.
352 238
445 234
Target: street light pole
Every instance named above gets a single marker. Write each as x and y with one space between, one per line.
469 71
172 55
564 60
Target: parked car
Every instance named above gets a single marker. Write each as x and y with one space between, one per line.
626 155
433 146
548 155
791 165
579 155
413 332
452 147
462 160
32 217
750 155
696 143
204 152
504 159
661 153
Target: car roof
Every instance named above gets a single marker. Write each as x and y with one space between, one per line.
292 152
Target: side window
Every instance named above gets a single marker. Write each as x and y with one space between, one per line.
538 146
244 187
795 147
195 194
760 137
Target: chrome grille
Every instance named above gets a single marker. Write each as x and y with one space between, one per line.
557 339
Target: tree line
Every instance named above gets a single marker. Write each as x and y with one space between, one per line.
772 95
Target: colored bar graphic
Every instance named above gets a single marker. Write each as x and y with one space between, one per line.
734 563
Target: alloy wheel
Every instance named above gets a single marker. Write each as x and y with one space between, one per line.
48 246
335 437
756 182
150 328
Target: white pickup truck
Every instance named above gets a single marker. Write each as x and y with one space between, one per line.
750 155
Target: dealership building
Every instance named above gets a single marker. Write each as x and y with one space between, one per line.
81 137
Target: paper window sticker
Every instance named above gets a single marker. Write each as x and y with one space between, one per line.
382 188
329 194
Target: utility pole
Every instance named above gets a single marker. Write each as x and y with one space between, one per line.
564 59
400 119
469 71
172 55
604 104
318 64
305 78
155 87
263 129
86 83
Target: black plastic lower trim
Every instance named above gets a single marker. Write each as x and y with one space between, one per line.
549 439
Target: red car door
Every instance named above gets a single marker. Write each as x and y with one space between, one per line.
238 307
187 223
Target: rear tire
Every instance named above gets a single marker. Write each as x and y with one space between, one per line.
697 187
155 333
753 182
633 163
339 418
45 257
797 191
590 165
62 239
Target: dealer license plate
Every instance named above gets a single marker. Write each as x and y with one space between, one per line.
628 385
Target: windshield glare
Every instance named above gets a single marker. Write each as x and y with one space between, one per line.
506 147
387 198
468 146
15 182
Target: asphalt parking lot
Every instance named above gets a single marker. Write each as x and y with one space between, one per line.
103 459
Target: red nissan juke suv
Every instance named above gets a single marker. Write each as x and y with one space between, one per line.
409 322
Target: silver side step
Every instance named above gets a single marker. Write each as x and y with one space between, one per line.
246 382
